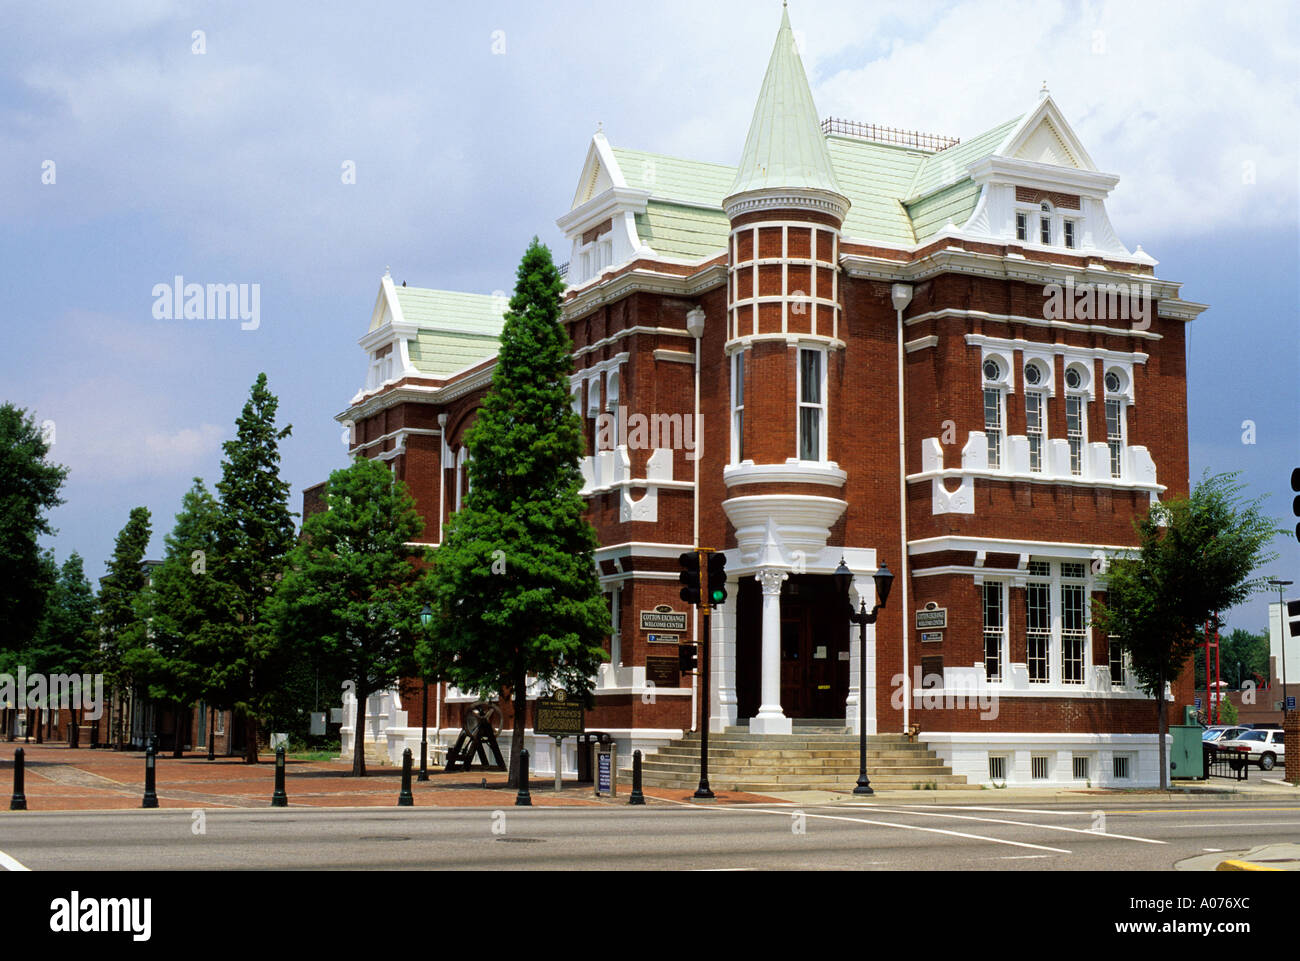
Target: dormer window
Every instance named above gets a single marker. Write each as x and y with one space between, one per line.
1068 226
1022 226
1045 224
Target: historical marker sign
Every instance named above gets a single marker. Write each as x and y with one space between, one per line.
662 671
557 716
932 619
663 618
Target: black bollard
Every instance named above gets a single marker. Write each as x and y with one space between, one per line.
405 800
523 799
637 797
150 794
19 801
279 799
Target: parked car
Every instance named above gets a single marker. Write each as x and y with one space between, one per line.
1212 737
1260 746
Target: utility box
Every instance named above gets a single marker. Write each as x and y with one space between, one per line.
1186 757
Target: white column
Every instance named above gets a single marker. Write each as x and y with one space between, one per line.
770 718
722 661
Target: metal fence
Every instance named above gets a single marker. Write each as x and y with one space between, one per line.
1233 765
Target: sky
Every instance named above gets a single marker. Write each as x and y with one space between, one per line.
140 141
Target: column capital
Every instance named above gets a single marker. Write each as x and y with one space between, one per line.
771 578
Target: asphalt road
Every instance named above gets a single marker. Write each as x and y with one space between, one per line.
1111 835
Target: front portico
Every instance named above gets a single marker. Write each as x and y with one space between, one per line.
783 650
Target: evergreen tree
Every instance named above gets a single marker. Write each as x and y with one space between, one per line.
66 640
29 487
1197 557
351 594
181 608
118 621
254 533
515 581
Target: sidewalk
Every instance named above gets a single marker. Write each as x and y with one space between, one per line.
61 779
58 778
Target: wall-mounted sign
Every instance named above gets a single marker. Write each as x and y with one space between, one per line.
664 638
927 636
663 618
932 618
662 671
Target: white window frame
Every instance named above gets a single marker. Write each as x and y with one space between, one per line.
1046 218
1060 583
1116 443
1081 397
737 406
1022 226
1003 642
1037 397
1070 233
820 405
995 440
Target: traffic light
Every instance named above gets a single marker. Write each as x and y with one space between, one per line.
688 658
690 576
1293 617
717 579
1295 504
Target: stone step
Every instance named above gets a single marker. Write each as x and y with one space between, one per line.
795 783
783 742
693 750
749 770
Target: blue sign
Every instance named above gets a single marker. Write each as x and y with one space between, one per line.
604 773
1198 703
1290 703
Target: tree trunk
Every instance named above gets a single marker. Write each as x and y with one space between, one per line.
521 716
178 740
359 735
250 739
1162 723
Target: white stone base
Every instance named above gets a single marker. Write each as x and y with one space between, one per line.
770 725
968 754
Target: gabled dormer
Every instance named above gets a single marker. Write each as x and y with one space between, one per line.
601 223
1041 190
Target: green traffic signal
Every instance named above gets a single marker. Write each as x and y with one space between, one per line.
717 578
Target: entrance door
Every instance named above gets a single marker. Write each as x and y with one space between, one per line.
814 649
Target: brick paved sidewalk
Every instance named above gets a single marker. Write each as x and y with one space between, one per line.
62 779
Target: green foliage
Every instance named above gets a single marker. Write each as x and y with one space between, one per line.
1227 712
350 600
118 619
514 580
1198 556
1238 647
180 607
66 640
29 487
254 533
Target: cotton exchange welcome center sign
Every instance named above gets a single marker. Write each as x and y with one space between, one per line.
663 618
556 716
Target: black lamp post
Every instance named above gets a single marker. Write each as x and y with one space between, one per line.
426 618
843 581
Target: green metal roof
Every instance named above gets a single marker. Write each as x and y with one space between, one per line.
684 218
785 146
454 330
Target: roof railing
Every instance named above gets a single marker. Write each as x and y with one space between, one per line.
869 131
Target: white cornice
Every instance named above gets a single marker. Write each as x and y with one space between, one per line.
1029 173
791 472
602 207
786 198
419 394
649 281
958 313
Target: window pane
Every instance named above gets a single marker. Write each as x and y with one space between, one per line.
993 426
1038 624
1022 227
1074 431
1045 230
810 373
993 632
809 433
1034 429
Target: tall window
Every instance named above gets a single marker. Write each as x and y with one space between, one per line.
993 425
1045 224
1068 226
1038 623
1115 434
738 407
1074 431
994 628
1034 424
1116 663
812 405
1022 226
1074 592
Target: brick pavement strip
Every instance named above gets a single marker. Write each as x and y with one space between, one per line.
63 779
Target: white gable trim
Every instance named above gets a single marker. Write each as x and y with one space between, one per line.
1027 129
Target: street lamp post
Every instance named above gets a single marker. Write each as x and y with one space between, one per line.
426 618
843 581
1281 616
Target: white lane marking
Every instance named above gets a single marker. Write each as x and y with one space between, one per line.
888 824
1027 824
976 807
12 864
1212 850
1022 857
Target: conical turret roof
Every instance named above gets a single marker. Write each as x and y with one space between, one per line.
785 147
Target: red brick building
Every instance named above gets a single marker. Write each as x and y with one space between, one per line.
908 350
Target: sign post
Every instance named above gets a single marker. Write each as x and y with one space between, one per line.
558 717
